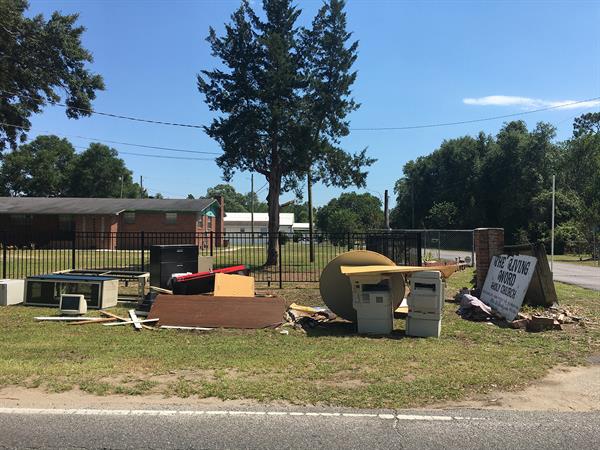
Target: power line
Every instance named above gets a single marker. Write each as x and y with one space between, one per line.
462 122
405 127
155 156
171 149
116 116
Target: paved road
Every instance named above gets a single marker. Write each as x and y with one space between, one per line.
572 273
463 429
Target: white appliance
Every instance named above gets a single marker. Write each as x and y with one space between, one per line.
11 292
73 304
425 303
374 309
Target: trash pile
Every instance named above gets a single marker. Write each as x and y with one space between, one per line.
472 308
305 317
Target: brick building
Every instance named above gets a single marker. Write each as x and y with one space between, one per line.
111 222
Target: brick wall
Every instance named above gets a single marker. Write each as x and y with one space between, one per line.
488 243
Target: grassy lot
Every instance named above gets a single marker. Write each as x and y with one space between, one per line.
584 260
326 366
295 259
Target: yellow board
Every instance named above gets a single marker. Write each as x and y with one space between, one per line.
365 270
233 285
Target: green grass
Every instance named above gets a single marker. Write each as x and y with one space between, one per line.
294 260
584 260
329 365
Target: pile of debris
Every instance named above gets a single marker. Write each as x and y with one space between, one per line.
472 308
305 317
550 319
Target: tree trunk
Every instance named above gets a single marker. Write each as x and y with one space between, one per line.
273 202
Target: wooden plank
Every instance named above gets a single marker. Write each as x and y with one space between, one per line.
109 314
126 322
136 321
161 290
233 285
218 312
68 319
104 319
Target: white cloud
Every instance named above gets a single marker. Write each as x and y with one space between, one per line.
527 102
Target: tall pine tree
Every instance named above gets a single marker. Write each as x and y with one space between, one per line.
265 123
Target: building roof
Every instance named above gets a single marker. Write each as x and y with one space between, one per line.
300 226
285 219
68 205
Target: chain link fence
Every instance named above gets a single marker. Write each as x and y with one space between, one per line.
446 245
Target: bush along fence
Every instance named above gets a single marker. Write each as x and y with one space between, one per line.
24 254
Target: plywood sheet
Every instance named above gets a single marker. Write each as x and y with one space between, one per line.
360 270
218 312
233 285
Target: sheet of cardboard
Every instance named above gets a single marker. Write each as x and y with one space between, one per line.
233 285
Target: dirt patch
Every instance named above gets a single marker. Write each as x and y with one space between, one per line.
563 389
20 397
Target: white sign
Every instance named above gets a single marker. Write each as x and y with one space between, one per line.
506 283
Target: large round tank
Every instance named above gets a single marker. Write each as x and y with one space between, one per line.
335 287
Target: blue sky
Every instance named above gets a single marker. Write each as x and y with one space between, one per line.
420 62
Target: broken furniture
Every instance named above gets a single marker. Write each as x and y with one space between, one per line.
125 277
72 304
45 290
165 260
203 282
11 292
218 312
425 304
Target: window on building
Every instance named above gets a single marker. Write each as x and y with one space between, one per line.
209 222
129 217
242 230
65 222
171 218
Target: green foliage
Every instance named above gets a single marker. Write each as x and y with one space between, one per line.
506 181
567 237
99 172
38 57
442 215
350 212
49 167
234 201
271 88
42 168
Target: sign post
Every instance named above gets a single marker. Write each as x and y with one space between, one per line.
506 283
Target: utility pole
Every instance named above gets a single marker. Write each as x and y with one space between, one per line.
252 206
141 187
122 179
552 232
386 210
311 244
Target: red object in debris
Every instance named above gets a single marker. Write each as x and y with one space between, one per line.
194 276
202 282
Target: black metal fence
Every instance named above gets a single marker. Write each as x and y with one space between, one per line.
24 254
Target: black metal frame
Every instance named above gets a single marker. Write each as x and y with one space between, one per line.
25 253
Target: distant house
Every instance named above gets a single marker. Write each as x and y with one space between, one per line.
57 218
237 222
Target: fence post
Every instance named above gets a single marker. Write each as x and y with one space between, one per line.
419 249
73 250
211 242
143 247
4 255
280 257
